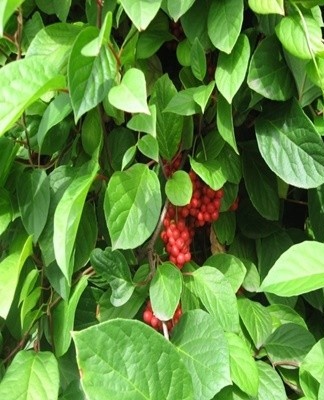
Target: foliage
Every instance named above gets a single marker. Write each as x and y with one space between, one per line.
161 199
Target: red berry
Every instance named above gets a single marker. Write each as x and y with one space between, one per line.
147 316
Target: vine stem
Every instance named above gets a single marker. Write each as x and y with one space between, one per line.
100 4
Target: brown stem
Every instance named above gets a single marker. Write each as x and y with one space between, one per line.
99 12
18 33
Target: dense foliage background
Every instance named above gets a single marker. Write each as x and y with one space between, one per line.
161 199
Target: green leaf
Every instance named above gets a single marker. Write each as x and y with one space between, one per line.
113 268
225 227
168 125
57 110
34 77
128 157
6 211
244 371
62 9
63 318
144 122
307 90
9 150
313 363
119 141
230 266
297 150
298 270
87 236
198 60
10 268
225 20
178 8
129 219
178 188
7 8
290 343
92 132
37 374
230 164
135 358
225 122
92 49
165 290
184 53
54 42
217 295
33 192
231 68
68 214
148 146
282 314
261 183
203 348
130 95
210 172
202 95
300 37
271 386
256 320
183 103
267 6
316 211
141 12
90 78
269 74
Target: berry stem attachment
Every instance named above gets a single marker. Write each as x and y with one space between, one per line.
165 330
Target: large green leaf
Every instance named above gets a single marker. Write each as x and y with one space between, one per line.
7 8
267 6
198 60
225 122
224 23
113 268
298 270
231 68
126 359
313 363
33 192
271 386
130 95
290 145
22 83
256 319
57 110
141 12
217 295
165 290
31 376
261 183
289 343
168 125
90 78
10 268
244 371
282 314
203 348
55 43
269 74
68 214
132 206
63 318
229 265
301 36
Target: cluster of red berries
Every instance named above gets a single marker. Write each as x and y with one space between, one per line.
151 319
180 222
171 167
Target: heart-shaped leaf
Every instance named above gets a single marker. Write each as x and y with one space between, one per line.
130 95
